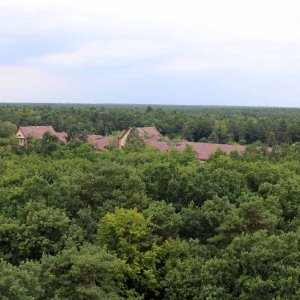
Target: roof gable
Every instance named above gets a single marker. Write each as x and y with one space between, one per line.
149 132
37 132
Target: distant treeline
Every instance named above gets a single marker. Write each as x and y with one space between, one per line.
243 125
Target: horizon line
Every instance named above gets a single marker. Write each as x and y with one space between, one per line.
148 104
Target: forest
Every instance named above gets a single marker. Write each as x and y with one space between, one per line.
136 223
242 125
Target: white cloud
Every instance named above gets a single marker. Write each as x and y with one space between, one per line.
144 37
269 19
110 52
189 36
23 82
189 65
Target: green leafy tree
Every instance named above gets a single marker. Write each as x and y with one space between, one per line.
134 142
7 129
10 237
202 222
165 221
20 283
46 146
272 140
251 216
47 230
213 138
111 184
258 266
89 272
128 234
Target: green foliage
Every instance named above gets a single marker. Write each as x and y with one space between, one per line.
20 283
128 234
202 222
165 221
46 146
134 142
47 230
7 129
86 273
217 124
10 237
143 224
249 217
109 185
258 266
255 266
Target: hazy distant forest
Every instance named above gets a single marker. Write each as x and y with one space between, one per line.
136 223
207 124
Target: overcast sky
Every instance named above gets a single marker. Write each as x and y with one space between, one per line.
137 51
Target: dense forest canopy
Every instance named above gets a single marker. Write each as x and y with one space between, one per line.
194 123
136 223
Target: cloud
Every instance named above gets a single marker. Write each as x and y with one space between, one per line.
23 82
267 20
56 46
189 65
118 51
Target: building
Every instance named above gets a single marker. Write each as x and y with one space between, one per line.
146 133
101 142
153 138
150 135
37 132
205 150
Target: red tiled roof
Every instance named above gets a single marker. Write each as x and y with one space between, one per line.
38 132
149 132
204 150
101 142
153 138
160 145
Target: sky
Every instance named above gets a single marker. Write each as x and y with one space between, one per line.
188 52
